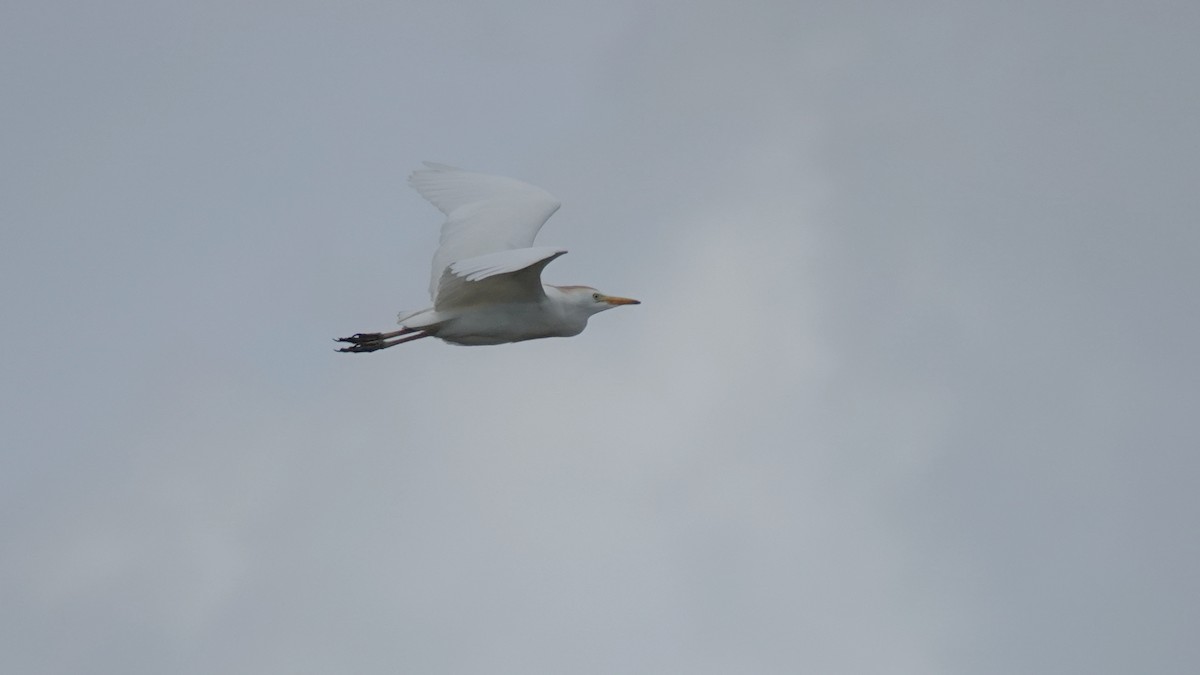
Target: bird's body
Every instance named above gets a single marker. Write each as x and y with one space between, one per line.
486 283
495 324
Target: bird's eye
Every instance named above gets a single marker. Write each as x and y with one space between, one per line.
596 297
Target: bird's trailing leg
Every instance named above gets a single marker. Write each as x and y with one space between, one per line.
359 338
370 342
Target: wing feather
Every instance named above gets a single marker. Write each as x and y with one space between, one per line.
484 214
495 278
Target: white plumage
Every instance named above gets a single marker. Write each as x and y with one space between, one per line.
485 281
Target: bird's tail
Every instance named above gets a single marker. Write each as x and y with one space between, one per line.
419 318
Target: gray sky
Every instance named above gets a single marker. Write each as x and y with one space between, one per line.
912 390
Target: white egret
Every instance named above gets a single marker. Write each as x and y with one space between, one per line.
486 285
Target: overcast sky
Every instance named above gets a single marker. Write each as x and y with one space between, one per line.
913 388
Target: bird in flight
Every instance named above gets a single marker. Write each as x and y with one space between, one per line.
487 275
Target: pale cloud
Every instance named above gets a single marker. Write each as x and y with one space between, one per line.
908 392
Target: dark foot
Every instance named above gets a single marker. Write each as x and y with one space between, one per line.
364 347
369 342
365 338
360 338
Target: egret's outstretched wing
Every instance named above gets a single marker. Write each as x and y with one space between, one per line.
494 278
484 214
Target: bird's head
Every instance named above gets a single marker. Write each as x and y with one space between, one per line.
593 301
